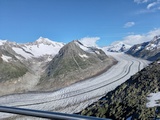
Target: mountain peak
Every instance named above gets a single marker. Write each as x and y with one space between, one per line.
44 40
118 46
73 63
156 38
2 42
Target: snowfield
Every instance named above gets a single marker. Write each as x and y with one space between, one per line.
2 42
39 48
153 99
6 58
76 97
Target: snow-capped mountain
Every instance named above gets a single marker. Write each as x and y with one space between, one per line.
148 50
21 65
73 63
39 48
118 46
154 44
2 42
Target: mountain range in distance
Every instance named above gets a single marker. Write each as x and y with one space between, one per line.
118 46
45 65
44 46
32 64
148 50
27 67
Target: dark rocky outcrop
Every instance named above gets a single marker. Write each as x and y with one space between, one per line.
129 99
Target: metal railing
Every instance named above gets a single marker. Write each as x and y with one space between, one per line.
46 114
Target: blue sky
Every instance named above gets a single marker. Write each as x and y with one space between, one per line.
66 20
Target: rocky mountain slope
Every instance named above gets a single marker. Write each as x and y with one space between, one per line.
47 65
10 66
129 99
117 47
21 64
148 50
74 62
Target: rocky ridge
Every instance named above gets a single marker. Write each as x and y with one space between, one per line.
147 50
21 65
73 63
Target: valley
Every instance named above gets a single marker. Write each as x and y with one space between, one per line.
88 58
78 96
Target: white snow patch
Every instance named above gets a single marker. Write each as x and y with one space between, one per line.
42 49
29 51
2 42
116 46
47 41
39 48
97 52
49 58
158 62
21 52
19 58
82 46
138 48
6 58
43 40
86 49
151 47
153 99
83 56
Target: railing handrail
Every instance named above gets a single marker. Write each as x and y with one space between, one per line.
46 114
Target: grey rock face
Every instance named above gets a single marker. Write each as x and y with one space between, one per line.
148 50
74 63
